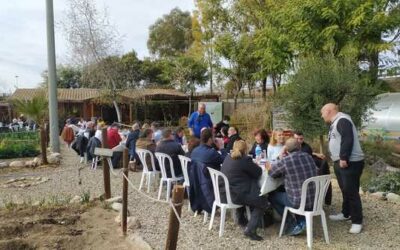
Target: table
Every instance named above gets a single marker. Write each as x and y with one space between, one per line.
266 182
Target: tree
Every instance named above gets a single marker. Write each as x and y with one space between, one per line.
171 35
93 40
36 109
321 80
67 77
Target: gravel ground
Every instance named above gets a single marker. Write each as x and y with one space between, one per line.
381 226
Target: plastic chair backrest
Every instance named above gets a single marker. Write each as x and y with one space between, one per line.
215 174
184 163
142 153
161 157
321 184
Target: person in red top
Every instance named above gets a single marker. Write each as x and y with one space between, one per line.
113 139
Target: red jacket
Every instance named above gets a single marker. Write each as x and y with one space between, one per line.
113 137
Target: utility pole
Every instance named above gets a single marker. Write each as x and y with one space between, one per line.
51 61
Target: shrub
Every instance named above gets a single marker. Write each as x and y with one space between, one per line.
12 149
386 183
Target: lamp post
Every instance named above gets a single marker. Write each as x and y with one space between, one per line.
52 85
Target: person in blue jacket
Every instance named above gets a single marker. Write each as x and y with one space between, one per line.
133 136
199 120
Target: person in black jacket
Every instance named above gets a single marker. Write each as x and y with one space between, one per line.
169 146
262 139
243 175
133 136
233 134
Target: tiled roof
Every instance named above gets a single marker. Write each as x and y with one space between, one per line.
82 94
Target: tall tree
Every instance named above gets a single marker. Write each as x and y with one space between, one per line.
93 40
171 35
67 77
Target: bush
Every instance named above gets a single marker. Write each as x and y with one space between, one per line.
375 150
18 149
386 183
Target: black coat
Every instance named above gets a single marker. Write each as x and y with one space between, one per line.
243 175
173 149
232 140
263 146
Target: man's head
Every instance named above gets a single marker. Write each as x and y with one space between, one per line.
232 131
202 108
226 119
136 126
298 135
206 137
167 134
329 111
292 145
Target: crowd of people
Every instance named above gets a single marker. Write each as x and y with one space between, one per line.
220 147
18 124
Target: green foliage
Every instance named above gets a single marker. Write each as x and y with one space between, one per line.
319 81
67 77
85 196
188 72
12 149
171 35
389 182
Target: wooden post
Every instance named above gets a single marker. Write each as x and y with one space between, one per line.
125 192
106 168
173 227
43 147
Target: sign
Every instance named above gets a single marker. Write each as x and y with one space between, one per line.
214 109
103 152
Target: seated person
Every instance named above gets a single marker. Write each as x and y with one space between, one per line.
220 125
179 136
262 139
145 141
275 146
243 175
193 142
131 141
224 134
201 192
233 134
114 139
169 146
296 167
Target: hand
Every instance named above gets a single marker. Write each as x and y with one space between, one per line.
321 156
343 164
191 132
268 166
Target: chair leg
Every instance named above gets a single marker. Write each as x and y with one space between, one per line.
205 217
212 215
324 227
160 189
148 182
168 190
222 223
283 221
309 224
187 190
141 181
248 212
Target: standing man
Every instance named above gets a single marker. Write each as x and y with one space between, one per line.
198 120
348 162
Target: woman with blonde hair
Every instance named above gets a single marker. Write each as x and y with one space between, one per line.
276 144
243 175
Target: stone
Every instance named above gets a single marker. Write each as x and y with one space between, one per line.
56 154
116 206
11 181
30 164
75 199
118 219
138 242
379 195
17 164
392 169
133 223
392 197
52 159
114 199
4 164
36 203
37 161
361 192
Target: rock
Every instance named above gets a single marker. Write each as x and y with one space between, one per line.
30 164
361 192
17 164
114 199
4 164
11 181
116 206
118 219
392 169
76 199
392 197
37 161
138 242
56 154
51 159
36 203
133 223
379 195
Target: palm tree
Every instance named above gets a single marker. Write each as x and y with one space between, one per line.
36 110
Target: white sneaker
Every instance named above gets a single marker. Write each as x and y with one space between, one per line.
82 159
355 228
338 217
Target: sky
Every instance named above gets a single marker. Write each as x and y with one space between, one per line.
23 51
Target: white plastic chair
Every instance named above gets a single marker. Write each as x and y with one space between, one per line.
215 174
147 173
186 184
161 157
321 184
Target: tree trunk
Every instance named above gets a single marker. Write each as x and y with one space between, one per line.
43 148
373 67
235 97
117 110
264 89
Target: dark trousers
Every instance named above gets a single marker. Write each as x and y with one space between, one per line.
349 183
116 158
258 205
